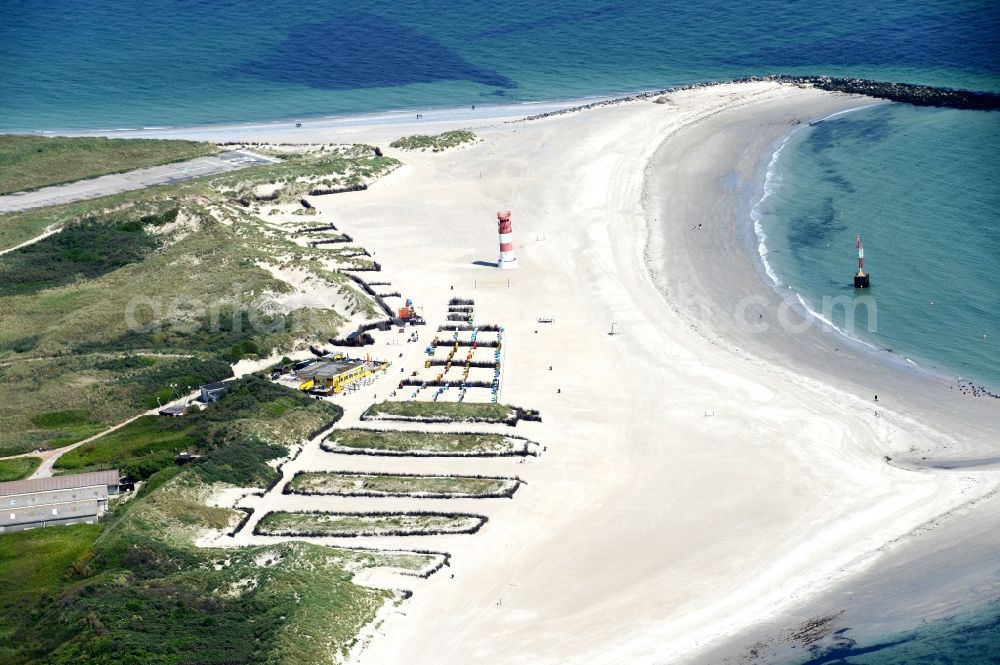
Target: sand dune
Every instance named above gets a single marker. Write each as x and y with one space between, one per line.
699 478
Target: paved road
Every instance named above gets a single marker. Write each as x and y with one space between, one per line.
124 182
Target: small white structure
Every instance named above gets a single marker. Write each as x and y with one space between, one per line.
213 392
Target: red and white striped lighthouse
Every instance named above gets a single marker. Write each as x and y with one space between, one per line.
507 259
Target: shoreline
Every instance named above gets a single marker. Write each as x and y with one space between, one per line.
697 480
911 387
892 594
311 122
235 133
904 93
320 121
941 571
867 574
789 293
695 487
884 355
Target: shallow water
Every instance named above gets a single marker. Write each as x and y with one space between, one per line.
970 638
920 186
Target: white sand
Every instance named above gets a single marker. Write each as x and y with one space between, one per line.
694 484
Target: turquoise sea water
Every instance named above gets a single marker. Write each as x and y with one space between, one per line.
105 64
968 638
112 64
920 186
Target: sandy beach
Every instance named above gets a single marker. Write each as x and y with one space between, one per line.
708 470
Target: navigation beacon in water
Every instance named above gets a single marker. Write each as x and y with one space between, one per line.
861 279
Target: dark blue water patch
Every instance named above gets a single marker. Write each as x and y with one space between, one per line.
848 647
815 227
968 639
876 127
837 180
356 50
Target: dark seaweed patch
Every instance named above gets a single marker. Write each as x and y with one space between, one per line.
815 227
357 50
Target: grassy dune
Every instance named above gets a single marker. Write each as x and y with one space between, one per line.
53 402
34 566
437 442
348 484
30 162
73 359
442 410
255 420
357 524
435 143
299 173
18 468
139 449
130 305
137 590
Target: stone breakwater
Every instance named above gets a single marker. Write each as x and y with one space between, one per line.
918 95
907 93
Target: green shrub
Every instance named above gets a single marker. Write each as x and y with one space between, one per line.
243 463
21 344
167 379
88 249
67 418
18 468
226 433
441 410
34 567
436 143
228 333
125 363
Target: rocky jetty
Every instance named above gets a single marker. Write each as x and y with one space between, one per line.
906 93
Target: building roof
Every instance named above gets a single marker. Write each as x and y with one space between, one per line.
221 385
327 369
69 482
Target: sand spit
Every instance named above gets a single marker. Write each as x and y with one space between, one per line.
698 479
